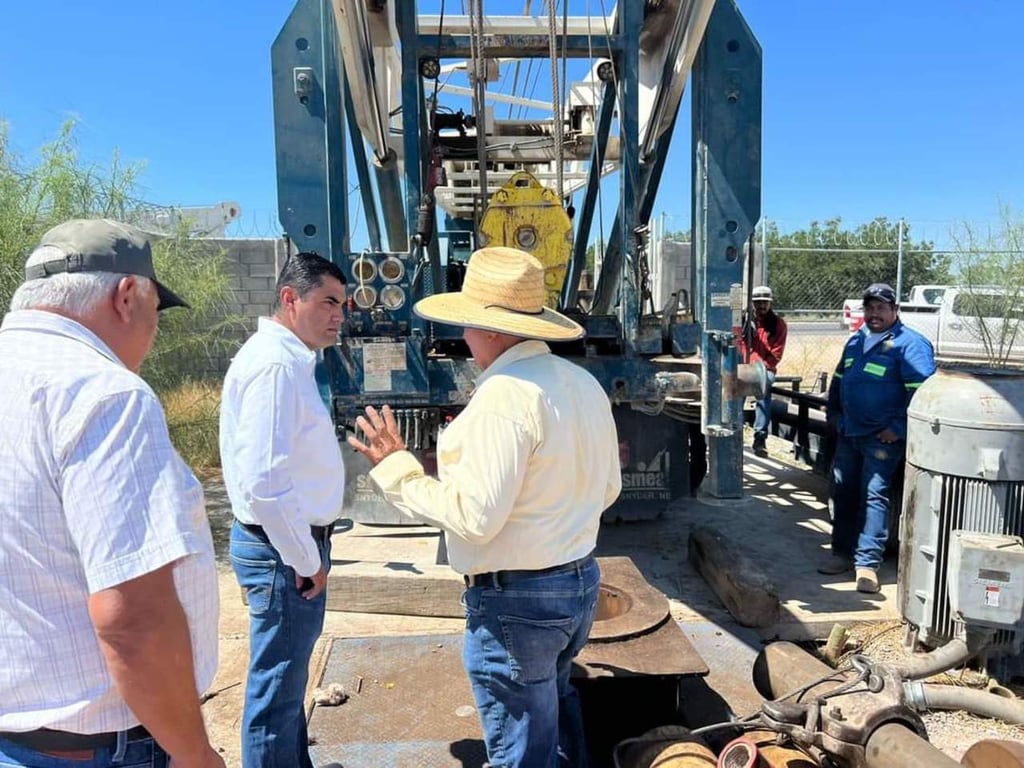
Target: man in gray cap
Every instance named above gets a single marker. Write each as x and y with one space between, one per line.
108 631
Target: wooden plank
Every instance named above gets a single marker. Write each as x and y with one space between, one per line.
409 589
744 589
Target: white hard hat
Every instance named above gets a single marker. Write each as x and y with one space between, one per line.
761 293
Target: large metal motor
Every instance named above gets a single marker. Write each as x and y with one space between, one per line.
961 559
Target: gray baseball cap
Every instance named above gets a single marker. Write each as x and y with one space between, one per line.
101 245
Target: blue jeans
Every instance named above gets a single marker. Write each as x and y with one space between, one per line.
522 633
143 753
283 628
862 474
763 412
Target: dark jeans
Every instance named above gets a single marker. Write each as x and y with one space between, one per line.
862 474
763 412
283 628
143 753
521 637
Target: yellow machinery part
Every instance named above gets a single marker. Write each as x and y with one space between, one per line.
525 214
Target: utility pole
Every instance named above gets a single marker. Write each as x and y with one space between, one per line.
899 262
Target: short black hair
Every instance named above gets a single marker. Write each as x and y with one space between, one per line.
305 272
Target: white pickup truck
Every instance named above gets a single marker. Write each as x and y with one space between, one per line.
972 324
920 296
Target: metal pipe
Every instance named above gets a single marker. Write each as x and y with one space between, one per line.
928 696
355 41
392 201
994 752
782 667
895 746
380 126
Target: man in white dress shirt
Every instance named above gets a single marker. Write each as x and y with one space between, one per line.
524 473
284 475
108 620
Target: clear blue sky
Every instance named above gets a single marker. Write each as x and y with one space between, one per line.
910 108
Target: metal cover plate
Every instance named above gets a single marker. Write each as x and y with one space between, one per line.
412 709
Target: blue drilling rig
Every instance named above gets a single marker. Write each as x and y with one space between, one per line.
367 99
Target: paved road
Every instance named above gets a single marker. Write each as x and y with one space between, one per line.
815 328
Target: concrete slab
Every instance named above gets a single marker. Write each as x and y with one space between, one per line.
781 524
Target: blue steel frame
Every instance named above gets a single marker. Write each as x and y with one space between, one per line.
727 204
312 199
310 133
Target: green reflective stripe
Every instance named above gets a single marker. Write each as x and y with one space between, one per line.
913 385
874 369
848 362
837 375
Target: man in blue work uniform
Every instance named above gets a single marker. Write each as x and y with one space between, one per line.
882 366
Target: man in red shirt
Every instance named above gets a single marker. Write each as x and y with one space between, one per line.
764 339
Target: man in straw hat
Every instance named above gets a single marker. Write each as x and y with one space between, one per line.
524 473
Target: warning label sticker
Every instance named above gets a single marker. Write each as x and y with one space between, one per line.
380 360
721 300
992 596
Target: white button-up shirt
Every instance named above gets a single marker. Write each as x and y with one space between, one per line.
524 472
92 495
279 451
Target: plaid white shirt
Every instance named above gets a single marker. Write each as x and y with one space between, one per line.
92 494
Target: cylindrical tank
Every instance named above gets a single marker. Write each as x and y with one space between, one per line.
965 471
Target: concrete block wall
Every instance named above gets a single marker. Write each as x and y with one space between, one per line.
252 266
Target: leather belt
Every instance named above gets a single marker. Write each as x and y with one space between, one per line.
320 533
500 578
47 740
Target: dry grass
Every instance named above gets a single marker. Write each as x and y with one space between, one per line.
192 418
806 356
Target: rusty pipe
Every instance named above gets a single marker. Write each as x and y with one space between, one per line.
994 753
895 746
782 667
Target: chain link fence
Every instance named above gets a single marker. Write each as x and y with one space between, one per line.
818 292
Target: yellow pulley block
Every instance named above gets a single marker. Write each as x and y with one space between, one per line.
527 215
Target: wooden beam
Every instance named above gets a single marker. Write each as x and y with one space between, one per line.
741 585
409 589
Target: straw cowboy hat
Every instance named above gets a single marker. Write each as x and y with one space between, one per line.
503 291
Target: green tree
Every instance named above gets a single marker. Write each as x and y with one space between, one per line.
820 266
59 185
